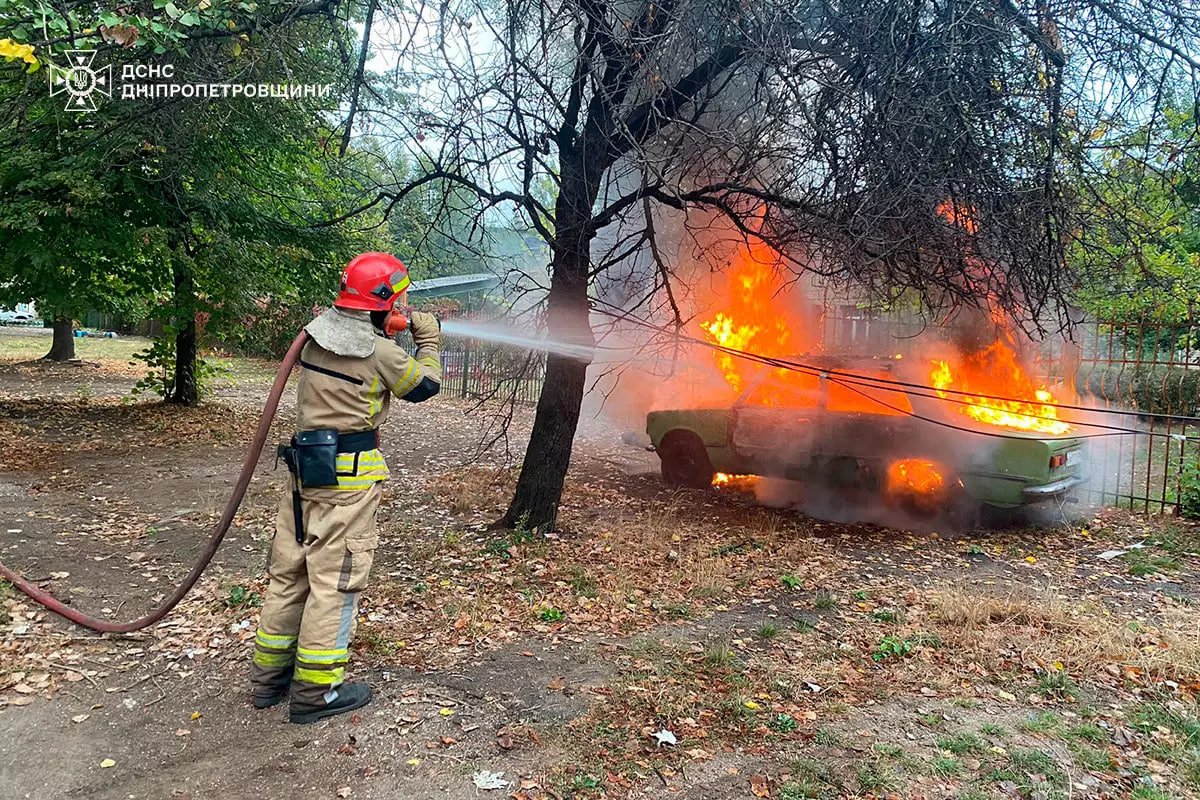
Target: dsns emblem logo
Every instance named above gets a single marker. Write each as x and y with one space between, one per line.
80 81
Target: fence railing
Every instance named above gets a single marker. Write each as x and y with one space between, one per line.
1153 369
482 370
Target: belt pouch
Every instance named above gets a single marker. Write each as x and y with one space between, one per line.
316 457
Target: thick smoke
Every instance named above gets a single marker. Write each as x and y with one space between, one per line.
835 442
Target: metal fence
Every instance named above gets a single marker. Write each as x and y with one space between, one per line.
482 370
1153 369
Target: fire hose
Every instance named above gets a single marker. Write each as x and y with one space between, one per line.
214 540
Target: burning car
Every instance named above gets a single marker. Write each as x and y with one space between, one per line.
960 423
861 428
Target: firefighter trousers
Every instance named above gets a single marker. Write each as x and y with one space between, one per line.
308 615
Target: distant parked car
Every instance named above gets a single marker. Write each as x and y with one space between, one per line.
17 318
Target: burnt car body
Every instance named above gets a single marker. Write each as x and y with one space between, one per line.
845 435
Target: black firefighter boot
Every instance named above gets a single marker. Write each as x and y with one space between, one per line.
347 697
274 693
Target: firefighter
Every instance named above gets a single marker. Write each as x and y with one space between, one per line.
325 536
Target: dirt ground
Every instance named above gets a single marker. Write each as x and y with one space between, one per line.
662 644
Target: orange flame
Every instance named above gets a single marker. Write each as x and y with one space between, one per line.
725 332
760 316
918 476
738 483
996 371
756 317
959 215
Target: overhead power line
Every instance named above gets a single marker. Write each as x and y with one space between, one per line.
850 380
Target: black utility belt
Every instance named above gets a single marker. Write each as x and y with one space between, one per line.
312 455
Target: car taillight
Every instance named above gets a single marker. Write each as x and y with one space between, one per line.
1058 460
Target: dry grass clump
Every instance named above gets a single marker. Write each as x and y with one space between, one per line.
1083 638
475 488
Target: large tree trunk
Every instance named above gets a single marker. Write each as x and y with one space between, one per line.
539 488
62 346
540 485
186 391
544 471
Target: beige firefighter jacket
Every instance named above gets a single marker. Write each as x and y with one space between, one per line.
351 393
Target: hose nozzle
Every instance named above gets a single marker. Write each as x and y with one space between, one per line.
397 321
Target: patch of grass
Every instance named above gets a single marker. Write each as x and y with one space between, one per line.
377 642
1089 757
1057 685
551 614
1147 561
1042 722
717 653
932 719
965 702
1147 792
946 766
885 615
892 647
860 596
971 793
783 723
801 625
801 790
1191 768
678 611
1029 775
874 776
824 601
6 590
735 548
992 729
767 630
933 640
587 783
791 582
582 584
888 749
241 597
811 780
827 738
502 545
1183 752
1086 731
498 547
1148 716
961 743
1035 762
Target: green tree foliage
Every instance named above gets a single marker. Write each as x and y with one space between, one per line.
195 208
1142 260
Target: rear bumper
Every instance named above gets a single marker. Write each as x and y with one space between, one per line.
1047 491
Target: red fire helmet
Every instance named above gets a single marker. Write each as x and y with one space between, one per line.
371 282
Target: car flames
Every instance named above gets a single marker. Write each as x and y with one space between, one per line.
987 384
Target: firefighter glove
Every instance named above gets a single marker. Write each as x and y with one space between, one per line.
426 330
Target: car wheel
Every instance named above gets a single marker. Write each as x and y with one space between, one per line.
685 460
